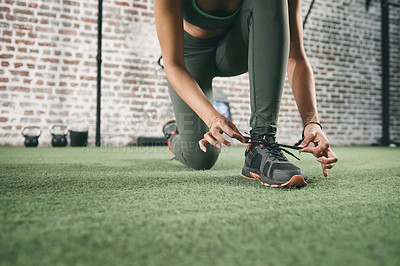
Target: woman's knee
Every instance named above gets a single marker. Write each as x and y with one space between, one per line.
200 160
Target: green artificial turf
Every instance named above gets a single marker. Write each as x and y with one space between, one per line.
136 206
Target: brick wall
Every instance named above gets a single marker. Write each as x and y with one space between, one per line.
395 72
48 71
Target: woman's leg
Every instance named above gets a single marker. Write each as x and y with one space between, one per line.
259 40
200 62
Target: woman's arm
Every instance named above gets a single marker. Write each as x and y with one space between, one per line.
301 80
169 25
300 74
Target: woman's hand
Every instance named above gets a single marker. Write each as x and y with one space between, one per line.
316 142
218 125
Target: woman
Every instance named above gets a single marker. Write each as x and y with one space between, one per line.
203 39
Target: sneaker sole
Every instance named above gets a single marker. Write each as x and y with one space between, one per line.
295 181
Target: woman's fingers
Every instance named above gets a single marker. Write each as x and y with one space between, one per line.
210 139
328 162
325 170
202 143
213 140
329 166
239 135
217 128
228 131
318 150
233 132
217 135
332 159
322 147
229 128
312 150
307 140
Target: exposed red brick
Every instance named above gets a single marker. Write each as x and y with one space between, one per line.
67 32
4 9
50 44
5 40
90 20
38 28
67 76
19 88
51 60
147 14
111 66
126 94
22 27
20 34
87 78
19 73
10 17
140 6
7 32
26 42
23 11
71 62
71 3
121 3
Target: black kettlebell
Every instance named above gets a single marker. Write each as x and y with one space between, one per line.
32 139
59 139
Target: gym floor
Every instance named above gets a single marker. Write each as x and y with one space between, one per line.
134 205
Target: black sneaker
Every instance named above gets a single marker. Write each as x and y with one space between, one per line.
264 161
169 128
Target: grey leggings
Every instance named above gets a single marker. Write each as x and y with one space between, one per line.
257 42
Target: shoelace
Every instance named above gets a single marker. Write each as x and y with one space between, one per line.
275 148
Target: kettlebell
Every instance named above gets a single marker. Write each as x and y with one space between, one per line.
59 139
31 140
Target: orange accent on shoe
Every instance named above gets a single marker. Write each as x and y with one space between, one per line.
262 145
249 177
256 176
169 146
295 181
248 147
174 133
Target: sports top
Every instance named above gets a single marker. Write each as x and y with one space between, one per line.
197 17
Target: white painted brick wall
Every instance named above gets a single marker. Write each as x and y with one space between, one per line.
48 71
